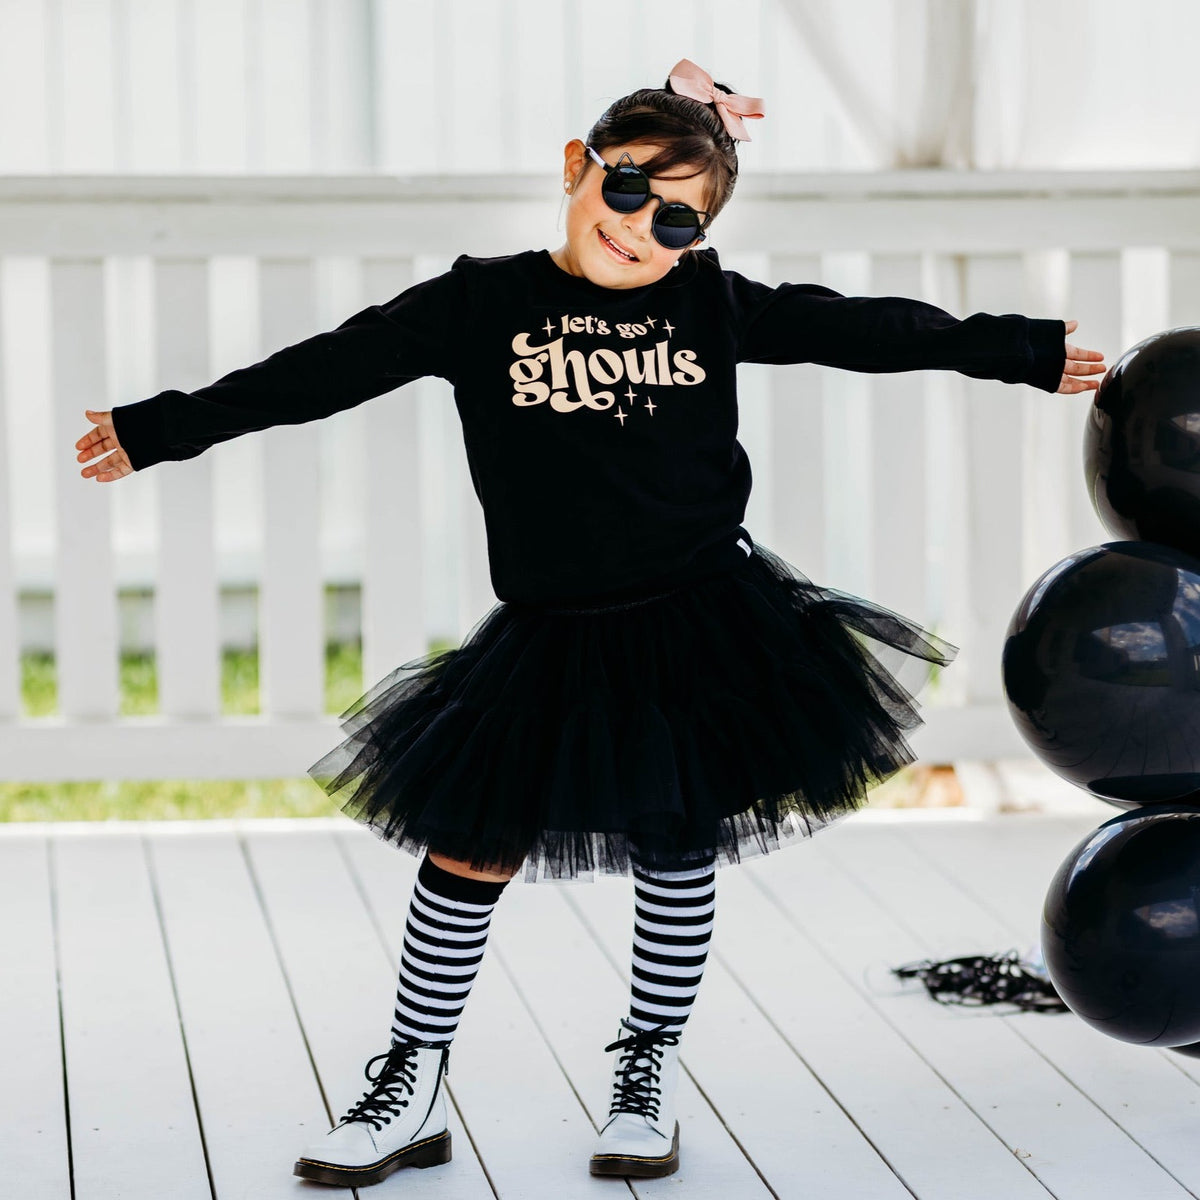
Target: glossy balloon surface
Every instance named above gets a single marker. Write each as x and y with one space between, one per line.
1141 450
1121 927
1101 671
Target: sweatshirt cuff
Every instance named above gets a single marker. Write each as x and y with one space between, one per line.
139 429
1048 346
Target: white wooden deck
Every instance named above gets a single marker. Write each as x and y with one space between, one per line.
183 1009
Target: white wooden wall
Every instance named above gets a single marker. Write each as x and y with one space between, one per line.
939 496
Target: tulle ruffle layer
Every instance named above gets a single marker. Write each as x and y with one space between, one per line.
726 717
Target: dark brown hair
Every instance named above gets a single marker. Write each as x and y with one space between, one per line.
689 131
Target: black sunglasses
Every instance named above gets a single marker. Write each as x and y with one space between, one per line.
626 188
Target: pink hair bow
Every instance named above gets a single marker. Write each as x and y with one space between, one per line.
690 80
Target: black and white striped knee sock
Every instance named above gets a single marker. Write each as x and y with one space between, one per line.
444 940
673 921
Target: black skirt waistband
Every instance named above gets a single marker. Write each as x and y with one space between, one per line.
627 599
718 562
607 608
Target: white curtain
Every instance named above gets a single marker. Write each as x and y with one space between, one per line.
232 86
1003 84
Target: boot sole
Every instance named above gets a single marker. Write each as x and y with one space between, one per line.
637 1165
430 1152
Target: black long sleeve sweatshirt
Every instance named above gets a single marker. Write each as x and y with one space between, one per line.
600 424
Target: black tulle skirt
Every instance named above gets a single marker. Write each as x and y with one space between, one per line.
726 717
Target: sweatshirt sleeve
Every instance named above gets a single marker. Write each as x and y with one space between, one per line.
805 322
372 352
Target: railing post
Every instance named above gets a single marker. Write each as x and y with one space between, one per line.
85 600
10 639
291 631
187 633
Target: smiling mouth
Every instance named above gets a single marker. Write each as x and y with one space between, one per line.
622 254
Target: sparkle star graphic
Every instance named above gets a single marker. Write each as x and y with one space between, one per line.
650 405
650 322
669 328
549 327
631 395
620 415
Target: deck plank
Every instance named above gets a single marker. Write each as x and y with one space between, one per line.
1058 1133
343 986
134 1127
255 1084
895 1096
526 1120
762 1093
33 1118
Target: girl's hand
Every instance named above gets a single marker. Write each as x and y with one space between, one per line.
1081 362
99 440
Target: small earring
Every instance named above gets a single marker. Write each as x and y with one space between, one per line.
566 186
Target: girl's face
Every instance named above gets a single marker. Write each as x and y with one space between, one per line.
593 227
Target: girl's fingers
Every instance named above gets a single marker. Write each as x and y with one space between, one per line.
115 466
101 440
97 440
92 444
1071 384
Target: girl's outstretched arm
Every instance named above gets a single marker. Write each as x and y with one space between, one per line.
372 352
805 322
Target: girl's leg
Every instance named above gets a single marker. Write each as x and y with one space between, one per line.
402 1120
465 869
673 921
672 926
449 914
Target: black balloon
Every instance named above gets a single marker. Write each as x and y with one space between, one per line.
1191 1050
1121 927
1101 670
1141 449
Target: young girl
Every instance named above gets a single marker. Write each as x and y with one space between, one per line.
654 694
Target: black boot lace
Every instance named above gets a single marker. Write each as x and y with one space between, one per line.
397 1073
636 1088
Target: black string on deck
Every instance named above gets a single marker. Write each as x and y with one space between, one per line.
978 979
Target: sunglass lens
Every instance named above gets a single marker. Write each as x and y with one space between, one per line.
626 189
676 225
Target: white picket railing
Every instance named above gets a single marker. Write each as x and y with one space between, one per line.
939 496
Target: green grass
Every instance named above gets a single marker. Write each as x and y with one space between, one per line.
239 681
174 799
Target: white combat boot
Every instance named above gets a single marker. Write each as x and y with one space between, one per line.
641 1136
400 1122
